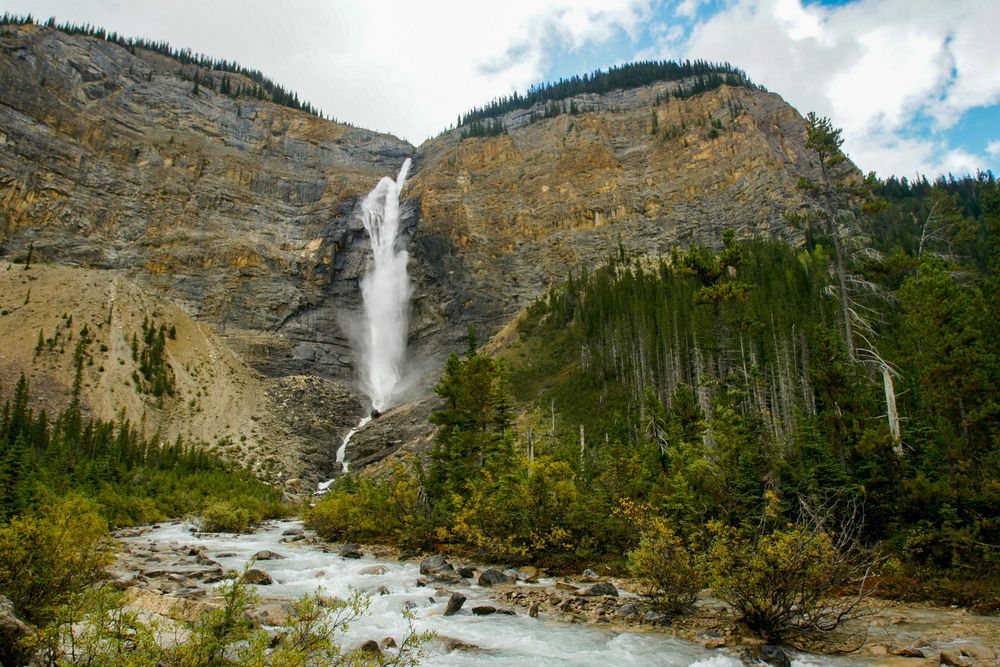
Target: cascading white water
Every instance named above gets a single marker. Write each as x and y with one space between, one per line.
385 291
501 639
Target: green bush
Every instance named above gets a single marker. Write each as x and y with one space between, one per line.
669 569
100 630
362 508
224 517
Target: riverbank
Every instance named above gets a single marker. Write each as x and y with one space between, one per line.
170 572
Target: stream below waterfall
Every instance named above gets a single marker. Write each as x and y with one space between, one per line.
491 640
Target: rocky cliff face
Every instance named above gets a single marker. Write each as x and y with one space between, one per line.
511 214
239 210
244 214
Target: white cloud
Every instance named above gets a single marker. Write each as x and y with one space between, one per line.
993 148
872 66
404 67
688 8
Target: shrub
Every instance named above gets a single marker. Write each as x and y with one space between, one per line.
225 517
668 568
362 508
786 584
48 556
102 631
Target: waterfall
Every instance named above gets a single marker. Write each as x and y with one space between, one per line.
385 291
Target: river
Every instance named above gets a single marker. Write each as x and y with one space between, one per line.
501 639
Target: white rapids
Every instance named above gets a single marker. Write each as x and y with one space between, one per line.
501 640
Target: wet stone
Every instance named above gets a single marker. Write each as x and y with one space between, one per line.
455 603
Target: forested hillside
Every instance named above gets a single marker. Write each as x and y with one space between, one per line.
850 383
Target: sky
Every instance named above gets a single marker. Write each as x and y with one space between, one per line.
914 84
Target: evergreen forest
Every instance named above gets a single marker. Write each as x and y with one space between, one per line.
849 381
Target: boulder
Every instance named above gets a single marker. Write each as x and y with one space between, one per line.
600 588
12 631
408 552
652 618
533 610
188 592
258 577
267 555
910 652
451 644
433 564
775 656
768 654
455 603
484 610
978 651
494 577
566 586
202 559
350 551
628 610
952 658
466 572
372 648
589 575
374 570
447 575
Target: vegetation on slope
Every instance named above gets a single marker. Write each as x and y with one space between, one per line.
259 87
133 478
705 76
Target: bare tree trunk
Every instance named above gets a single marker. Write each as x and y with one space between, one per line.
845 309
891 414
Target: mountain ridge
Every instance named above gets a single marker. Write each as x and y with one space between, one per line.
244 213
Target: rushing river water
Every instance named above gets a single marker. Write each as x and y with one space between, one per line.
502 640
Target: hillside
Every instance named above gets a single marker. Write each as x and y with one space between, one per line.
276 427
243 214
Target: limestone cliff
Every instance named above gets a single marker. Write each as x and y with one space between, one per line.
513 213
239 210
239 217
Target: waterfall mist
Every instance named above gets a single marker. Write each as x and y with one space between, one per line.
385 292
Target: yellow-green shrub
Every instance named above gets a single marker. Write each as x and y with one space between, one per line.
668 568
362 508
225 517
783 583
50 555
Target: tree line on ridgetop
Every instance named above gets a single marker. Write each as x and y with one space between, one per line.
261 87
706 75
